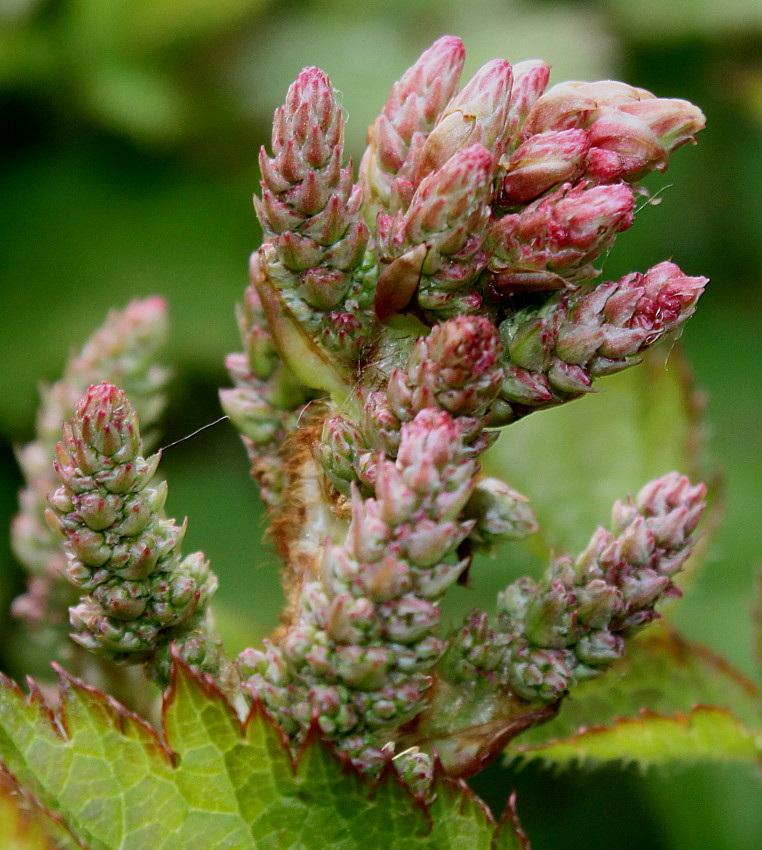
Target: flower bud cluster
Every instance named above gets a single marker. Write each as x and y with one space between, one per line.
474 648
604 132
316 240
464 197
478 114
387 170
554 351
356 656
456 368
120 549
432 250
440 237
572 625
416 769
553 242
124 350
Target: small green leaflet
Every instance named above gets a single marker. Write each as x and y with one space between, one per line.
214 782
702 734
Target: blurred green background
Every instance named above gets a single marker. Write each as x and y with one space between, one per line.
128 159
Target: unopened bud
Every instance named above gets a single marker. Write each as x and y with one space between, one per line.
477 114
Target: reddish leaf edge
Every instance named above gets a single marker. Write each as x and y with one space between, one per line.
126 722
684 718
510 821
30 809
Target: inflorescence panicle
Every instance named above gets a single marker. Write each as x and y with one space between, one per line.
125 351
571 625
450 290
121 551
391 325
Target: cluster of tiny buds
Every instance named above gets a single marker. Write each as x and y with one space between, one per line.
465 199
124 350
121 551
451 289
572 625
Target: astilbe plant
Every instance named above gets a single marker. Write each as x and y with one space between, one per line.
393 324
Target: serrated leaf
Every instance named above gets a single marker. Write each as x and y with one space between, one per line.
510 835
574 461
702 734
211 781
19 830
670 679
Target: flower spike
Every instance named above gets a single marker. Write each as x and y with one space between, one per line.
389 325
396 136
555 352
121 551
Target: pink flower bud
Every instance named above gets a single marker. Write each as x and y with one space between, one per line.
477 114
669 297
541 162
386 579
636 543
630 131
636 145
414 104
562 107
673 122
431 438
559 235
452 203
599 647
429 541
310 117
529 81
422 92
598 603
365 668
409 618
396 501
641 589
368 533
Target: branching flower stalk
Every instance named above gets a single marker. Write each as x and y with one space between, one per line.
391 326
486 209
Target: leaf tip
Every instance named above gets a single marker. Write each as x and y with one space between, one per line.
510 824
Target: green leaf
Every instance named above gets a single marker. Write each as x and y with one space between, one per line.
575 461
702 734
211 781
510 835
667 699
20 825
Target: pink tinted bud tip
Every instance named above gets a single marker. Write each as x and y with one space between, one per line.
669 297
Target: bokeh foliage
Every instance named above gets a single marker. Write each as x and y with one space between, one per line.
128 160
